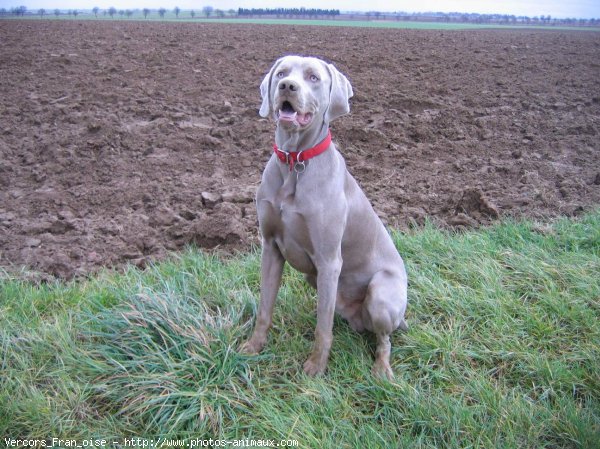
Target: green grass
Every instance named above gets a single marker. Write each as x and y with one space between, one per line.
503 350
358 23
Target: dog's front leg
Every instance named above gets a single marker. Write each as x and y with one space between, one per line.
327 283
271 269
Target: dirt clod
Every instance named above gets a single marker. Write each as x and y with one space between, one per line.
474 204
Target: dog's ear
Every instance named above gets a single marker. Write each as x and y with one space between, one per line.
265 90
340 93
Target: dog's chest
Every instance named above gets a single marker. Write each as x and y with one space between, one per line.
282 219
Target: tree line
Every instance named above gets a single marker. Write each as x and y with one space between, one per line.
496 19
207 11
288 12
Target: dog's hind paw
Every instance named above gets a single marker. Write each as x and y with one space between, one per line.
382 370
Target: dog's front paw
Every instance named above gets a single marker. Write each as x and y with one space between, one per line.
314 366
251 347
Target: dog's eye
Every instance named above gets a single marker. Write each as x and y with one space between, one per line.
280 74
314 78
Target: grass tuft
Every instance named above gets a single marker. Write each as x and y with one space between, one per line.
503 350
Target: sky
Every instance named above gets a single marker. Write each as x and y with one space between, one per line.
531 8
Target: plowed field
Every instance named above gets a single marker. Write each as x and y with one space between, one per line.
123 141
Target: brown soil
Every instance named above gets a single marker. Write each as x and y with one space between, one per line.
123 141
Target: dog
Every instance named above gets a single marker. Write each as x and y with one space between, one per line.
313 214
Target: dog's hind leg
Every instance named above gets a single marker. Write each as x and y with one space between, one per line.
383 312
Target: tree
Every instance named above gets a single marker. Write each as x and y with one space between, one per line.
41 12
161 12
75 13
192 13
146 11
128 13
207 10
95 10
112 11
177 11
57 12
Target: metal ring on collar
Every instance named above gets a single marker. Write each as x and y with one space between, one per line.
299 163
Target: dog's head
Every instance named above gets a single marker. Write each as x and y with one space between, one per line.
302 91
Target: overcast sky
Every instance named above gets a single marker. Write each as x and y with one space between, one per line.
556 8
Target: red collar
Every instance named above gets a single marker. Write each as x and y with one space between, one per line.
300 156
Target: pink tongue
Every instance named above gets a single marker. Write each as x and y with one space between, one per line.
288 116
292 116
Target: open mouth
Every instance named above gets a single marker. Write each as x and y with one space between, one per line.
287 113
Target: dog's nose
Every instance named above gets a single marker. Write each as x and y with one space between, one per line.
290 85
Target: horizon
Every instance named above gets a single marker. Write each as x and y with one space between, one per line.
580 9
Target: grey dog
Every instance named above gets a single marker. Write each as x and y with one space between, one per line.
313 214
